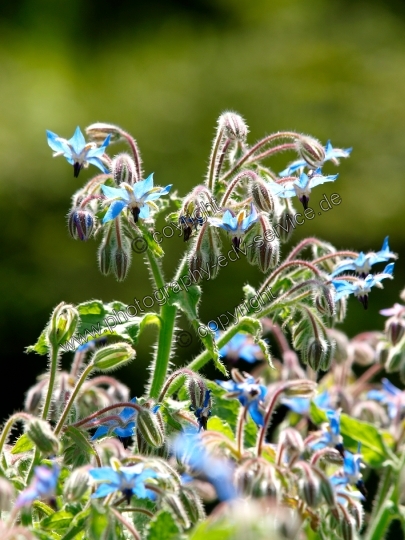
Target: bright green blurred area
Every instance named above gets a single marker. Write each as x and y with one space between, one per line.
331 69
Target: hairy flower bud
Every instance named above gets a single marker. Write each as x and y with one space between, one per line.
98 131
63 324
342 344
261 195
203 261
123 169
80 224
310 487
314 353
105 253
149 428
121 259
35 396
192 504
76 485
291 440
311 151
394 361
234 126
41 434
175 504
363 353
113 356
196 389
285 225
395 329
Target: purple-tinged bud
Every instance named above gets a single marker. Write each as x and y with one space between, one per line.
63 324
311 490
35 396
257 479
197 390
6 495
325 303
76 485
41 434
98 132
292 440
311 150
123 169
363 353
261 195
348 527
395 329
149 428
80 224
357 511
203 261
326 488
121 259
342 344
234 126
268 252
285 226
113 356
314 353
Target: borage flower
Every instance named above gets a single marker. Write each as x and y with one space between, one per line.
43 486
203 413
361 287
236 226
331 154
249 393
301 187
330 434
189 449
391 396
123 426
300 405
138 198
363 263
77 152
242 346
129 480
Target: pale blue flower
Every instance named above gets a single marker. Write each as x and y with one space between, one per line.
391 396
330 433
331 154
301 187
361 287
77 152
241 346
363 263
138 198
236 226
250 395
129 480
125 427
188 448
203 413
300 405
43 486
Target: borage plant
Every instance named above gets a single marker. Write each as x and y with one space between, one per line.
193 458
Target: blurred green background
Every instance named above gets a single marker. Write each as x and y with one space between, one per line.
164 71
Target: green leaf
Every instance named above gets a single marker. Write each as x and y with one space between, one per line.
41 346
220 530
79 451
58 521
217 424
163 527
23 444
77 525
80 439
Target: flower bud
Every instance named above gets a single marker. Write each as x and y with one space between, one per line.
192 504
261 195
98 131
176 506
363 353
291 439
315 352
311 151
63 324
6 495
395 329
310 489
285 226
394 361
41 434
203 261
121 260
342 344
123 169
76 485
325 304
80 224
234 126
300 387
340 309
113 356
149 428
35 396
348 528
104 255
196 389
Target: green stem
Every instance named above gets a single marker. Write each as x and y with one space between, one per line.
73 395
52 376
383 518
20 416
165 340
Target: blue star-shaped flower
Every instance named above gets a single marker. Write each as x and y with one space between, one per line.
362 265
77 152
43 486
391 396
138 198
330 433
361 287
301 405
129 480
242 346
236 226
301 187
189 448
352 475
125 427
250 395
331 154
